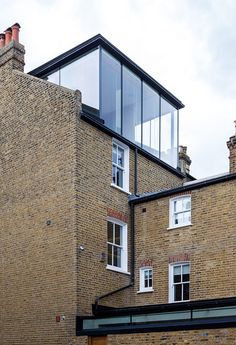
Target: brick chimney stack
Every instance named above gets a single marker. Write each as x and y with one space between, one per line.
2 40
11 51
232 152
184 160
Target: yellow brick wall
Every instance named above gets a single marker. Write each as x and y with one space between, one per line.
196 337
94 195
55 178
38 219
209 242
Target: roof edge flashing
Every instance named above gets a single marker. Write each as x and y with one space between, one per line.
89 44
134 199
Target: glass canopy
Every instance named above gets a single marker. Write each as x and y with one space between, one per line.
125 102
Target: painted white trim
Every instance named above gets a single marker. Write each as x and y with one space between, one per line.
116 269
170 280
180 226
141 279
119 188
124 245
126 166
145 291
172 225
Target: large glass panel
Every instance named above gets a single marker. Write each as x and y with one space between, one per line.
150 120
131 106
169 133
214 312
99 323
177 315
83 74
111 92
54 77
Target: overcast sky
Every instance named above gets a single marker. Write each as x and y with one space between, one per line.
189 46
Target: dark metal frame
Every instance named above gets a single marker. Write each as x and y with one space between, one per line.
92 119
188 187
99 42
95 42
172 325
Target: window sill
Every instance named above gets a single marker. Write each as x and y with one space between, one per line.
179 226
186 300
116 269
119 188
145 291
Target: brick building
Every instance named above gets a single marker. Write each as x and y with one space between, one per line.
103 228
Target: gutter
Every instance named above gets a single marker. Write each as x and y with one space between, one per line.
188 187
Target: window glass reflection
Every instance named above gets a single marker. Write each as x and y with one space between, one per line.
131 106
150 120
127 105
54 77
83 75
169 118
111 92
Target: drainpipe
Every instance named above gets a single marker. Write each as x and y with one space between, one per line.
132 240
136 171
2 40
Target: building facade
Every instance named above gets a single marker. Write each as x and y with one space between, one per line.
103 228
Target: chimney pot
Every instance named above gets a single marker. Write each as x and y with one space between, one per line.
231 143
184 160
17 24
15 32
8 35
182 149
2 40
12 55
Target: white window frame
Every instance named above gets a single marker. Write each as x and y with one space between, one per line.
172 212
125 168
171 280
142 287
123 246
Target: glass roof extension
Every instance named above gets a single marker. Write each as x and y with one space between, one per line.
124 97
214 313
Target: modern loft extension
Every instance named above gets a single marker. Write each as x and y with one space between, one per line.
120 95
106 238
